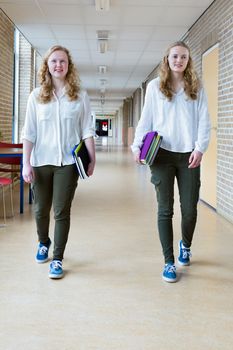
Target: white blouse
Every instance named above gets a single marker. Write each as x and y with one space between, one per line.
56 127
183 123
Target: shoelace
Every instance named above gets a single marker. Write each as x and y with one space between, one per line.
171 268
43 250
57 264
186 253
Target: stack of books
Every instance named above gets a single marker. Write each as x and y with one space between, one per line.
150 147
82 159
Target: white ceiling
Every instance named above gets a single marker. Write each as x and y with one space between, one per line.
139 32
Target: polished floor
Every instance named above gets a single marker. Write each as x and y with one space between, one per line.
112 296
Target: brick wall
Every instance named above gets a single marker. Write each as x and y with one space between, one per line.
6 81
26 77
216 26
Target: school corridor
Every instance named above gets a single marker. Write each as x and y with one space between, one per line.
112 296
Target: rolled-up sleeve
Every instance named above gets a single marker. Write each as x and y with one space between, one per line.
87 123
29 131
204 126
146 121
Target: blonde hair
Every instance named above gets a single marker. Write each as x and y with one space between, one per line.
191 80
72 77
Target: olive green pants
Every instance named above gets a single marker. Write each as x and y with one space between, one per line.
55 186
168 166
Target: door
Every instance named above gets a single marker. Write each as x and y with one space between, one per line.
209 162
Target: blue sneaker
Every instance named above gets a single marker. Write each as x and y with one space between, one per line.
169 273
42 252
56 269
184 255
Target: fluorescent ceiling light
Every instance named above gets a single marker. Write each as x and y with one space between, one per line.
102 36
102 5
102 69
103 82
103 46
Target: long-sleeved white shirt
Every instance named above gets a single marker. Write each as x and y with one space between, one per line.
183 123
56 127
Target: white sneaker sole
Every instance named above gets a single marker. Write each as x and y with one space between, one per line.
42 261
53 276
183 264
169 280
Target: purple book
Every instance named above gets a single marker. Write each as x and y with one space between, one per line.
148 138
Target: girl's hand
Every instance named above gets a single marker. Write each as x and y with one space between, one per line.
195 159
137 157
28 173
91 168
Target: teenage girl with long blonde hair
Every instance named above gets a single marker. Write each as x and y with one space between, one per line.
175 106
58 117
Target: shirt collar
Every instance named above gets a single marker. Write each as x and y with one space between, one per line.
63 92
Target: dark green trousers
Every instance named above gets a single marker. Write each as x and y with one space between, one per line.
168 166
54 186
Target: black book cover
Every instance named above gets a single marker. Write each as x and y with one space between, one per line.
82 159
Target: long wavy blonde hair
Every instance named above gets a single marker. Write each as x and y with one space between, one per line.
191 80
72 77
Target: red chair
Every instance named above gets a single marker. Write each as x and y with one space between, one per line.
5 181
13 162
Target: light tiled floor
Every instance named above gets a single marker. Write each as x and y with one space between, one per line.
112 296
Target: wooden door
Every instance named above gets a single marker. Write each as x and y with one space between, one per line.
209 162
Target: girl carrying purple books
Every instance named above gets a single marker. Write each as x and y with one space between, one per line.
176 107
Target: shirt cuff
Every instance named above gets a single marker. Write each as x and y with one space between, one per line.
28 138
135 149
87 135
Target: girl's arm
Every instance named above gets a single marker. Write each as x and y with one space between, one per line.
28 173
145 122
203 136
29 136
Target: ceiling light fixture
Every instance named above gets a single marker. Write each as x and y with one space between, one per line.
103 82
102 5
102 69
102 36
103 46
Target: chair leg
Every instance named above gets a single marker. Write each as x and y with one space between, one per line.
3 203
12 204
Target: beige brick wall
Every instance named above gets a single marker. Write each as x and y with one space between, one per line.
216 26
6 81
26 77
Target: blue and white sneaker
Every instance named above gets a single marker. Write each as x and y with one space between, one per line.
184 255
169 273
43 252
56 270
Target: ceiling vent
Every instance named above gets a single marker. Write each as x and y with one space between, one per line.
102 34
102 37
102 5
103 82
102 69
